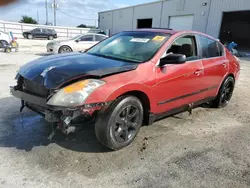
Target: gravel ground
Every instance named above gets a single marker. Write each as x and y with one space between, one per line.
209 148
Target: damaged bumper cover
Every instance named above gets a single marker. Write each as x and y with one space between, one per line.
53 113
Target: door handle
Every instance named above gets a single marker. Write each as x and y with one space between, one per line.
198 72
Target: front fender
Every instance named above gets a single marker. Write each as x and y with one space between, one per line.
111 92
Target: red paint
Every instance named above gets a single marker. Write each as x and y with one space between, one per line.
171 81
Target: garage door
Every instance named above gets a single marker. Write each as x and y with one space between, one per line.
181 22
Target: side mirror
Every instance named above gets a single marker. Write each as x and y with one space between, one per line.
173 59
77 40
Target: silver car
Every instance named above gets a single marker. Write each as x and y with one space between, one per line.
77 43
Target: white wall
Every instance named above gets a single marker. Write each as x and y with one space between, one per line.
18 28
122 20
105 21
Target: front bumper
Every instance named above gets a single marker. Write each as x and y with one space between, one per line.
56 114
28 97
52 49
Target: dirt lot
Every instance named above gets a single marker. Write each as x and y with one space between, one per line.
207 149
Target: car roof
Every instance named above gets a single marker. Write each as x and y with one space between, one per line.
159 30
95 34
172 32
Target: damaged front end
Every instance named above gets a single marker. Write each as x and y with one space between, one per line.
64 107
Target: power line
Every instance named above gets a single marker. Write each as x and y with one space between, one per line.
74 16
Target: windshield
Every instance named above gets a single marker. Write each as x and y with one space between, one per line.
130 46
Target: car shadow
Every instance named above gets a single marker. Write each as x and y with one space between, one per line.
44 54
27 130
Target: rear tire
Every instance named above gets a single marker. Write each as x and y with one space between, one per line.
30 36
117 126
50 38
64 49
225 93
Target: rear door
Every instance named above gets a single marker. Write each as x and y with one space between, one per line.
44 33
214 62
180 84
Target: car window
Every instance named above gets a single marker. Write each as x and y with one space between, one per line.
37 30
99 38
44 30
210 48
86 38
221 49
51 30
185 45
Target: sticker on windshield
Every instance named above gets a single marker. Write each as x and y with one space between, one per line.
158 38
143 40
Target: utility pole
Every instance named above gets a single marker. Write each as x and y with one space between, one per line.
54 6
46 6
37 17
55 12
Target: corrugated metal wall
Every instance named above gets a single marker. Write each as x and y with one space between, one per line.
186 7
207 14
216 13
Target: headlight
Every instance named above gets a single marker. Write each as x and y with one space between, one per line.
75 94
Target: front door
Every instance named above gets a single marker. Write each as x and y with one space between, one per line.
37 33
180 84
84 42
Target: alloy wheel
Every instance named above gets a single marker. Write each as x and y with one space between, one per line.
227 93
65 50
126 124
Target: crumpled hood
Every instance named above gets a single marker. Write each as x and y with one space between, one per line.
53 71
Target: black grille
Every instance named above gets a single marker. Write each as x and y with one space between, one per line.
33 88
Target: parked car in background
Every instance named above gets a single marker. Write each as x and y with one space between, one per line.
130 79
77 43
8 41
49 34
5 36
97 31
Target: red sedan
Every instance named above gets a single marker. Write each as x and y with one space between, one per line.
130 79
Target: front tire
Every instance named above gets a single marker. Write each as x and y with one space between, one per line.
64 49
225 93
117 126
50 38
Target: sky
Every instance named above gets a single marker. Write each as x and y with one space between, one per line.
69 13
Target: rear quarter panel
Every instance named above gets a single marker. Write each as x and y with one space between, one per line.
234 65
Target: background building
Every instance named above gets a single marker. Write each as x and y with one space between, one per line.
228 20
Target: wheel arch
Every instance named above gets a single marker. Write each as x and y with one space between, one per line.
143 97
223 80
